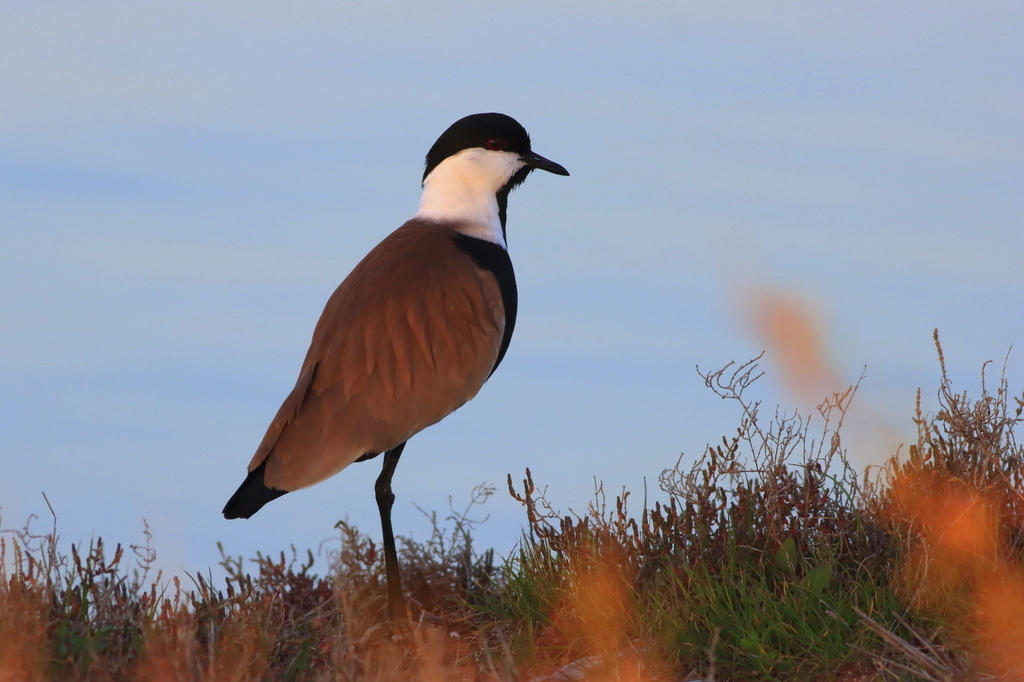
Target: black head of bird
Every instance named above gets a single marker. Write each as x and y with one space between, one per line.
411 334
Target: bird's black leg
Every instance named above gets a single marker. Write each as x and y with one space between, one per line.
385 499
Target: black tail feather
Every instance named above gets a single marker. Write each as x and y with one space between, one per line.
251 495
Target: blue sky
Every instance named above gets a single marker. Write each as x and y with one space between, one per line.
182 186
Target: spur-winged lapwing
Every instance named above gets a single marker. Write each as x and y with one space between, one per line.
412 333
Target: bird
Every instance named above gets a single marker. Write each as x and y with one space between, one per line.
411 334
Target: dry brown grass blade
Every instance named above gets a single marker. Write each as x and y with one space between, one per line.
931 665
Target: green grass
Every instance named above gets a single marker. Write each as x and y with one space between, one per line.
769 558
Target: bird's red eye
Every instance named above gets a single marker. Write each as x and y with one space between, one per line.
495 144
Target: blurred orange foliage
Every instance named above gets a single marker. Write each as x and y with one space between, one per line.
961 568
596 617
794 336
23 650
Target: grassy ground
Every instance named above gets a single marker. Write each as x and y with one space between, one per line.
768 559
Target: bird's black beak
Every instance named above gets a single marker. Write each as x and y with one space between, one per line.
540 163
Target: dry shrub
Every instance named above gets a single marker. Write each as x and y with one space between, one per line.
441 575
768 558
958 503
92 614
773 547
80 610
763 535
23 616
771 484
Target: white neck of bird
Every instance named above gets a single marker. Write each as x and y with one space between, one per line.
462 189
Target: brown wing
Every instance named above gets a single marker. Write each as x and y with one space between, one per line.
409 336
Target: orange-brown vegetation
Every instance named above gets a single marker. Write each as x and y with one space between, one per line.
959 497
794 338
768 558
